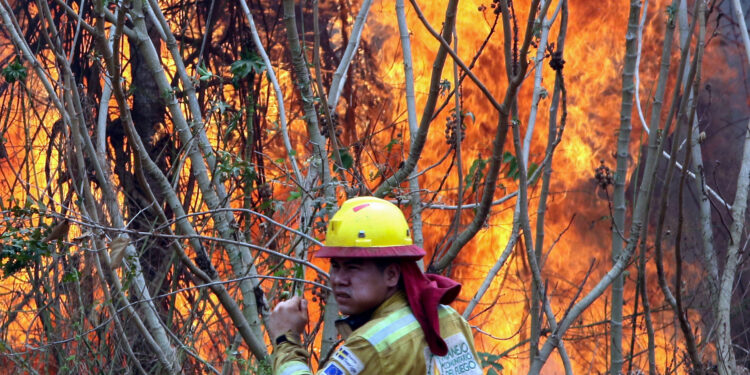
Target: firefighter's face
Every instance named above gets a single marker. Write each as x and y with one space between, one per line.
359 285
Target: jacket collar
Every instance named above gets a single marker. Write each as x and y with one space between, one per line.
351 323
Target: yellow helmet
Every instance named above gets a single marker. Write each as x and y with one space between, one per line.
369 227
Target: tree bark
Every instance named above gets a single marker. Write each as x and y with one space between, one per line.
618 199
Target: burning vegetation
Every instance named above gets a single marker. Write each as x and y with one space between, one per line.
169 169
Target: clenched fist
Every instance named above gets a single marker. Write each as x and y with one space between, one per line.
288 315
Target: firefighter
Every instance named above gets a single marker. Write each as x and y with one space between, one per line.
397 321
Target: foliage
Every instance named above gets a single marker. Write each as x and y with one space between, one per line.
491 363
203 72
14 72
232 166
249 62
347 160
512 162
210 197
248 366
476 174
22 243
393 142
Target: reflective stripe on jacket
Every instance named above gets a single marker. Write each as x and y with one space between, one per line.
391 342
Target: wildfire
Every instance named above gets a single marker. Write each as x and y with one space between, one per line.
578 214
594 54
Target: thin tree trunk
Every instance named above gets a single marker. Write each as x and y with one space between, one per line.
727 362
638 219
498 143
536 298
72 103
319 165
320 159
239 256
523 214
618 199
248 334
411 110
420 137
339 77
646 305
684 120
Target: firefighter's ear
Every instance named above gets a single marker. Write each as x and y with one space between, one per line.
391 275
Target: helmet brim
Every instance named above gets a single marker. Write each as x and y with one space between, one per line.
410 252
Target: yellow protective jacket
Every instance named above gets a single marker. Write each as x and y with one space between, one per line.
391 343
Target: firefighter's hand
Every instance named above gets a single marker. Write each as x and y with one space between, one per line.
288 315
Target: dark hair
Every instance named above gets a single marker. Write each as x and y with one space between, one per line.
383 263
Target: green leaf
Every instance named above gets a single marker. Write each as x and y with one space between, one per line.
298 271
512 163
492 361
537 29
240 69
671 11
74 275
257 63
249 62
512 169
22 246
507 157
532 168
347 160
373 176
221 106
281 272
230 128
29 202
393 142
167 94
248 174
15 71
475 175
293 195
203 72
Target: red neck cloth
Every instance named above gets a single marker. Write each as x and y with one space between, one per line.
424 292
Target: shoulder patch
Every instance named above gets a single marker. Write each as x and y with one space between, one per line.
349 360
459 360
332 368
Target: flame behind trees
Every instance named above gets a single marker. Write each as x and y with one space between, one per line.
169 168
